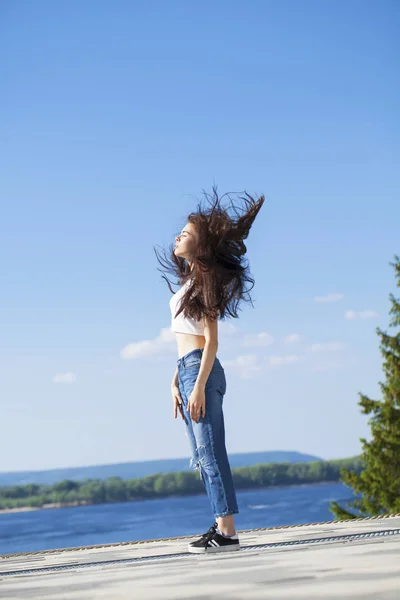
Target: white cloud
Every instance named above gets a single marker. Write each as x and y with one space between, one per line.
368 314
225 328
351 315
329 298
165 342
329 347
278 361
246 365
258 339
293 338
65 377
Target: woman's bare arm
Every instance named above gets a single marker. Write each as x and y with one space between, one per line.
175 378
209 353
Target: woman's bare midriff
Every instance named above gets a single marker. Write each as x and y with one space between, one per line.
187 342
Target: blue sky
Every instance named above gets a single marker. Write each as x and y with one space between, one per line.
115 115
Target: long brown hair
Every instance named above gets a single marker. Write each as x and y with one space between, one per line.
219 277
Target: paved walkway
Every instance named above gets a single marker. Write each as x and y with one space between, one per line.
347 559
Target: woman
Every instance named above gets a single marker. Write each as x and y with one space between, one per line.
207 260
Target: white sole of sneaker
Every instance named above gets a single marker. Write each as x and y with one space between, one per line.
214 549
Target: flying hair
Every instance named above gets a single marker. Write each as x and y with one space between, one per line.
220 277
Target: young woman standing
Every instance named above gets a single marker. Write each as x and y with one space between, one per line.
207 259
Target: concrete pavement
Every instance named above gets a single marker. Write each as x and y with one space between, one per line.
338 559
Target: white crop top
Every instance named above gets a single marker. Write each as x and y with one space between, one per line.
181 324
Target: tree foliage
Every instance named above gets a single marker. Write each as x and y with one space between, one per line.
161 485
379 483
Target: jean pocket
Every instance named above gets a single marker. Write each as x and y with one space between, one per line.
220 381
193 364
222 388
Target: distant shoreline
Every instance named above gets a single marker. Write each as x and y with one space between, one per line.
44 507
76 504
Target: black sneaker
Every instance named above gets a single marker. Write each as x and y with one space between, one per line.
212 541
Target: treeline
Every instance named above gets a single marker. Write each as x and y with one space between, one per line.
184 483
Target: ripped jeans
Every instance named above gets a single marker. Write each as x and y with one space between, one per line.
207 437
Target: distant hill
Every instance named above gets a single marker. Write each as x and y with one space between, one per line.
132 470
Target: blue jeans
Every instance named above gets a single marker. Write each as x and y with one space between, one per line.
207 437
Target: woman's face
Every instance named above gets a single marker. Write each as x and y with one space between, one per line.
185 242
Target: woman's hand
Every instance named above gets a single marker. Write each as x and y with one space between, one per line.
177 400
197 404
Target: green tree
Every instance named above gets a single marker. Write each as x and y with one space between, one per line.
67 485
379 481
116 490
